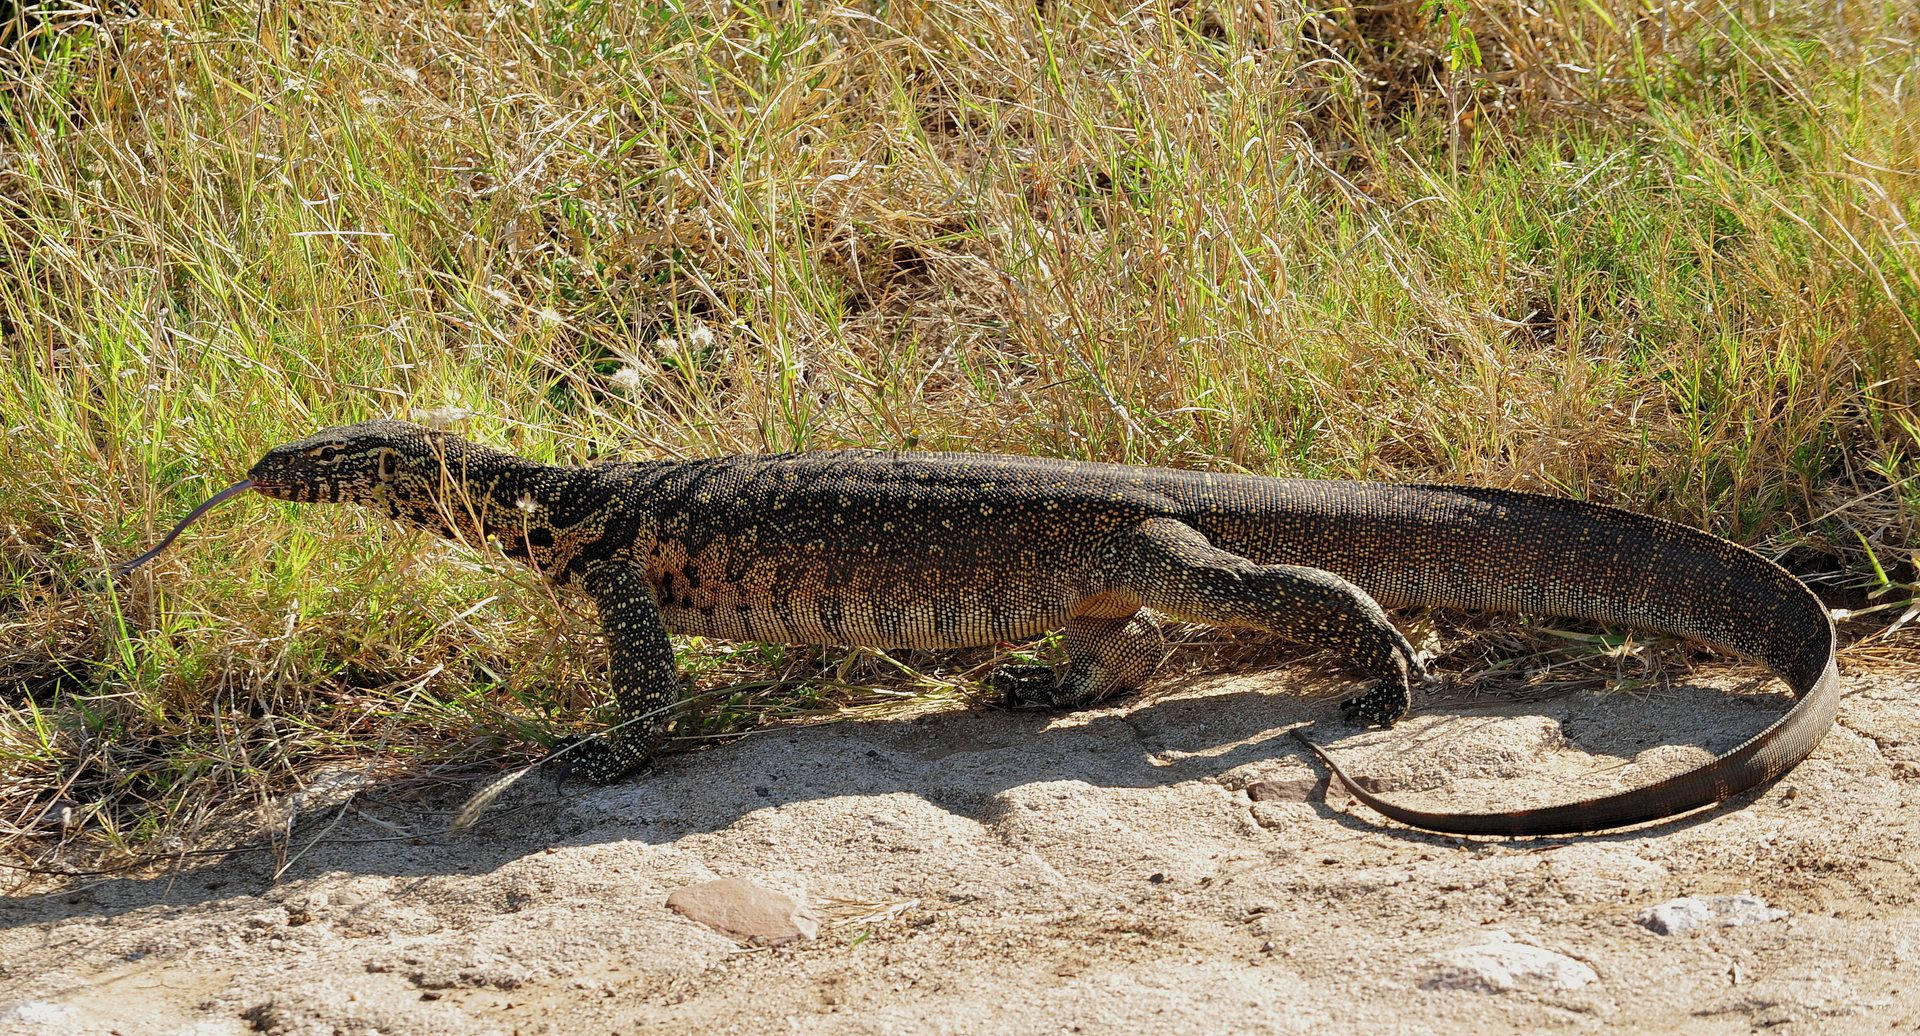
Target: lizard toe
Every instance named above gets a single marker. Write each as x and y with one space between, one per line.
1027 688
595 760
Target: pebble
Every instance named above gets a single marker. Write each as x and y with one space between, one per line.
328 789
1291 789
1598 873
35 1012
1501 964
1679 916
745 912
306 909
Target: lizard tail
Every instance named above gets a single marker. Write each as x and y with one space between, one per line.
1505 551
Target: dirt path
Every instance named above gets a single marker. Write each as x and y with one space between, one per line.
1109 871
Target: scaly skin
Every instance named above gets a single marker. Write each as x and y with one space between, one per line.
957 550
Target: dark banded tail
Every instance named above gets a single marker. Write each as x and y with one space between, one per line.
1518 552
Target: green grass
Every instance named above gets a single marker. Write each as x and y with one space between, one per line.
1654 256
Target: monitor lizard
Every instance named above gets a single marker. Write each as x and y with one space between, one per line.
947 550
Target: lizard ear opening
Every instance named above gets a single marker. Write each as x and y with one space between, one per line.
386 463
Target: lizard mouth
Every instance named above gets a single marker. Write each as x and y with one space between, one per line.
278 492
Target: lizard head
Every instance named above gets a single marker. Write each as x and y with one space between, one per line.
414 474
372 463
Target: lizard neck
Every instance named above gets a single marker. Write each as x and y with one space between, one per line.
553 519
480 493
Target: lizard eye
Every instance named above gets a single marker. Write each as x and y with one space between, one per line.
327 454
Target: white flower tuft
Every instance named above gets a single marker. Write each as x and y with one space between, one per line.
442 416
630 377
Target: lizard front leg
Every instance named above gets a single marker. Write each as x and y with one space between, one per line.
646 688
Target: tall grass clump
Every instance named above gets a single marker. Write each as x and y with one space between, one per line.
1658 254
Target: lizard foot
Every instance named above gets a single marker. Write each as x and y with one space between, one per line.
1028 688
1386 704
596 760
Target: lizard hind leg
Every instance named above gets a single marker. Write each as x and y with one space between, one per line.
1176 570
1104 657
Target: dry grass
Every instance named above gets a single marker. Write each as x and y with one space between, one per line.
1657 254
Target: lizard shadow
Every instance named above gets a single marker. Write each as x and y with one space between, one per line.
1227 730
1220 729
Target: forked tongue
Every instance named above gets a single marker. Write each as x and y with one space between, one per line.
233 490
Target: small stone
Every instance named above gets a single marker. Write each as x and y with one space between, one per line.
1156 878
745 912
35 1012
1500 964
1600 873
1339 797
306 909
1679 916
1675 916
267 919
1290 789
328 789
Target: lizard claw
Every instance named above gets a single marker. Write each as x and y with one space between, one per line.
1026 688
593 759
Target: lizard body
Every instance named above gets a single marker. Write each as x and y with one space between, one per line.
954 550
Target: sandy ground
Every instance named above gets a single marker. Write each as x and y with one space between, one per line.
978 871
